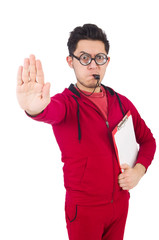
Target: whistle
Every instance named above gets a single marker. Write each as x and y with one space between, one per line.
96 76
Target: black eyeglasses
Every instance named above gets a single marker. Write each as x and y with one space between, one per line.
85 59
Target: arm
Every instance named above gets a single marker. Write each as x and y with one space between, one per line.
147 146
144 136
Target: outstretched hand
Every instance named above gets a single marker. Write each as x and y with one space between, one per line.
32 93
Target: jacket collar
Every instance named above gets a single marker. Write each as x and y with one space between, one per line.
111 94
77 93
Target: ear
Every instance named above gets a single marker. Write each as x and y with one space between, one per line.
108 61
69 61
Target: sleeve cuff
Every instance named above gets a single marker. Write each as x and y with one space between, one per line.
34 115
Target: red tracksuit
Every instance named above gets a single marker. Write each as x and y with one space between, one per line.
96 207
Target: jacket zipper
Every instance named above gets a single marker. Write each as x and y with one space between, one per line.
110 138
107 123
109 133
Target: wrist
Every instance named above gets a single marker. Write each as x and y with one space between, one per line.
32 114
140 169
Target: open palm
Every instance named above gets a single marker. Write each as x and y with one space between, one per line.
32 93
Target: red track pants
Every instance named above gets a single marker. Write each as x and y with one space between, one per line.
101 222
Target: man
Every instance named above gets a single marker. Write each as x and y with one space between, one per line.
83 117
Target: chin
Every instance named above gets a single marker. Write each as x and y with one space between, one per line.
92 85
88 84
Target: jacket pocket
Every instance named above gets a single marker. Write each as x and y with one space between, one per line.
98 175
71 211
73 172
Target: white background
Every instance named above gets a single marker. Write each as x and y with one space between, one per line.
31 179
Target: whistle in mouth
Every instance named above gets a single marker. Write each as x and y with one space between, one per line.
96 76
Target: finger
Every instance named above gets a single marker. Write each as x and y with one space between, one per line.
46 90
19 76
125 166
25 73
121 176
121 181
32 68
123 185
40 73
126 188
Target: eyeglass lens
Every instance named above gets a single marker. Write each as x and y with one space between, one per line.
86 59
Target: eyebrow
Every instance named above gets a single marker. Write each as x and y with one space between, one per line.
91 54
84 52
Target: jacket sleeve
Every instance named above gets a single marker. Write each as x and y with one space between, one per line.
144 137
54 113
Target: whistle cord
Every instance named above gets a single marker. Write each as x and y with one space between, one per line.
88 95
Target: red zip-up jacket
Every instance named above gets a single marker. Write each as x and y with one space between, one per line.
84 137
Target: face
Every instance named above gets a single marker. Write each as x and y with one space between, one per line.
84 74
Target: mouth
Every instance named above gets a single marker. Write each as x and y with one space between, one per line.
96 77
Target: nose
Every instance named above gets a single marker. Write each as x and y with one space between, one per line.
93 64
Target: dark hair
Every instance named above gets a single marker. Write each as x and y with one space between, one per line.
89 32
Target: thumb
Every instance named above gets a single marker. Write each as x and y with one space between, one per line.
46 90
125 166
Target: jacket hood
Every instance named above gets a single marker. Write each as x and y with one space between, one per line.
78 94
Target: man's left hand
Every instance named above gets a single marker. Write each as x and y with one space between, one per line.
130 176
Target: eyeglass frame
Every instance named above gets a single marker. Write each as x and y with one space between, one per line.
78 58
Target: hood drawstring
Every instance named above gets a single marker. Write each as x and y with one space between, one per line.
121 107
79 127
73 89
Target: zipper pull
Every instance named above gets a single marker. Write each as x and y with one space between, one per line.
107 123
